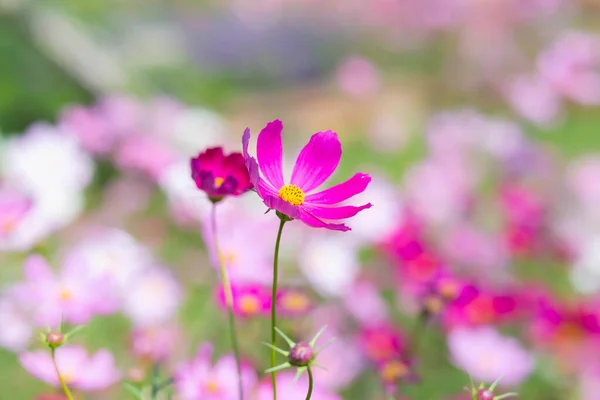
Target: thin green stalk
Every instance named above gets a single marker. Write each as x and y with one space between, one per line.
63 384
273 306
228 302
310 383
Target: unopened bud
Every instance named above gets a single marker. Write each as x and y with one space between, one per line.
55 339
301 355
485 394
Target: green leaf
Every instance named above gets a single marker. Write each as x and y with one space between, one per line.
133 390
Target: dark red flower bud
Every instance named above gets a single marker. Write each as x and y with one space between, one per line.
301 355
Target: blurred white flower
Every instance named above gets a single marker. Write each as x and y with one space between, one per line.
196 129
330 263
109 253
153 298
585 272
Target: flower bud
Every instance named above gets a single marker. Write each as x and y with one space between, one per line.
55 339
301 355
485 394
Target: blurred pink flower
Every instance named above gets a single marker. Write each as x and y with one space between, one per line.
69 295
110 254
439 191
316 162
357 76
145 154
152 298
381 221
343 360
534 99
199 379
245 243
487 355
14 207
468 246
572 66
155 343
381 343
365 303
89 128
219 175
17 329
289 389
583 180
79 370
293 302
248 299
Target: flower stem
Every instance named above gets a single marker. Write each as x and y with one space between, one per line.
228 301
282 221
63 384
310 383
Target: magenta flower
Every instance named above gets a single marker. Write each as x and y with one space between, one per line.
77 368
316 162
219 175
201 380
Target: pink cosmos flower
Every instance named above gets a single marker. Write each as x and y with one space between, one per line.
199 379
155 343
293 302
69 295
219 175
248 299
357 76
487 355
245 243
90 129
153 297
316 162
381 343
289 389
572 66
534 99
144 154
364 302
79 370
13 208
17 329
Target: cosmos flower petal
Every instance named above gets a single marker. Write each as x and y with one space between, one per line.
341 192
317 161
335 213
284 207
315 222
251 163
269 152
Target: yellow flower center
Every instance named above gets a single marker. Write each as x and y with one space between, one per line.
212 386
291 194
249 304
65 294
68 376
219 181
228 258
295 302
393 371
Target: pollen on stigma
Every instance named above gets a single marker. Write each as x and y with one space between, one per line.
291 194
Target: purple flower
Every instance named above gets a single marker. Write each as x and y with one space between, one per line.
199 379
219 175
316 162
486 355
78 369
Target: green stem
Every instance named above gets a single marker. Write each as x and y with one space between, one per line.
63 384
310 383
273 306
229 302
